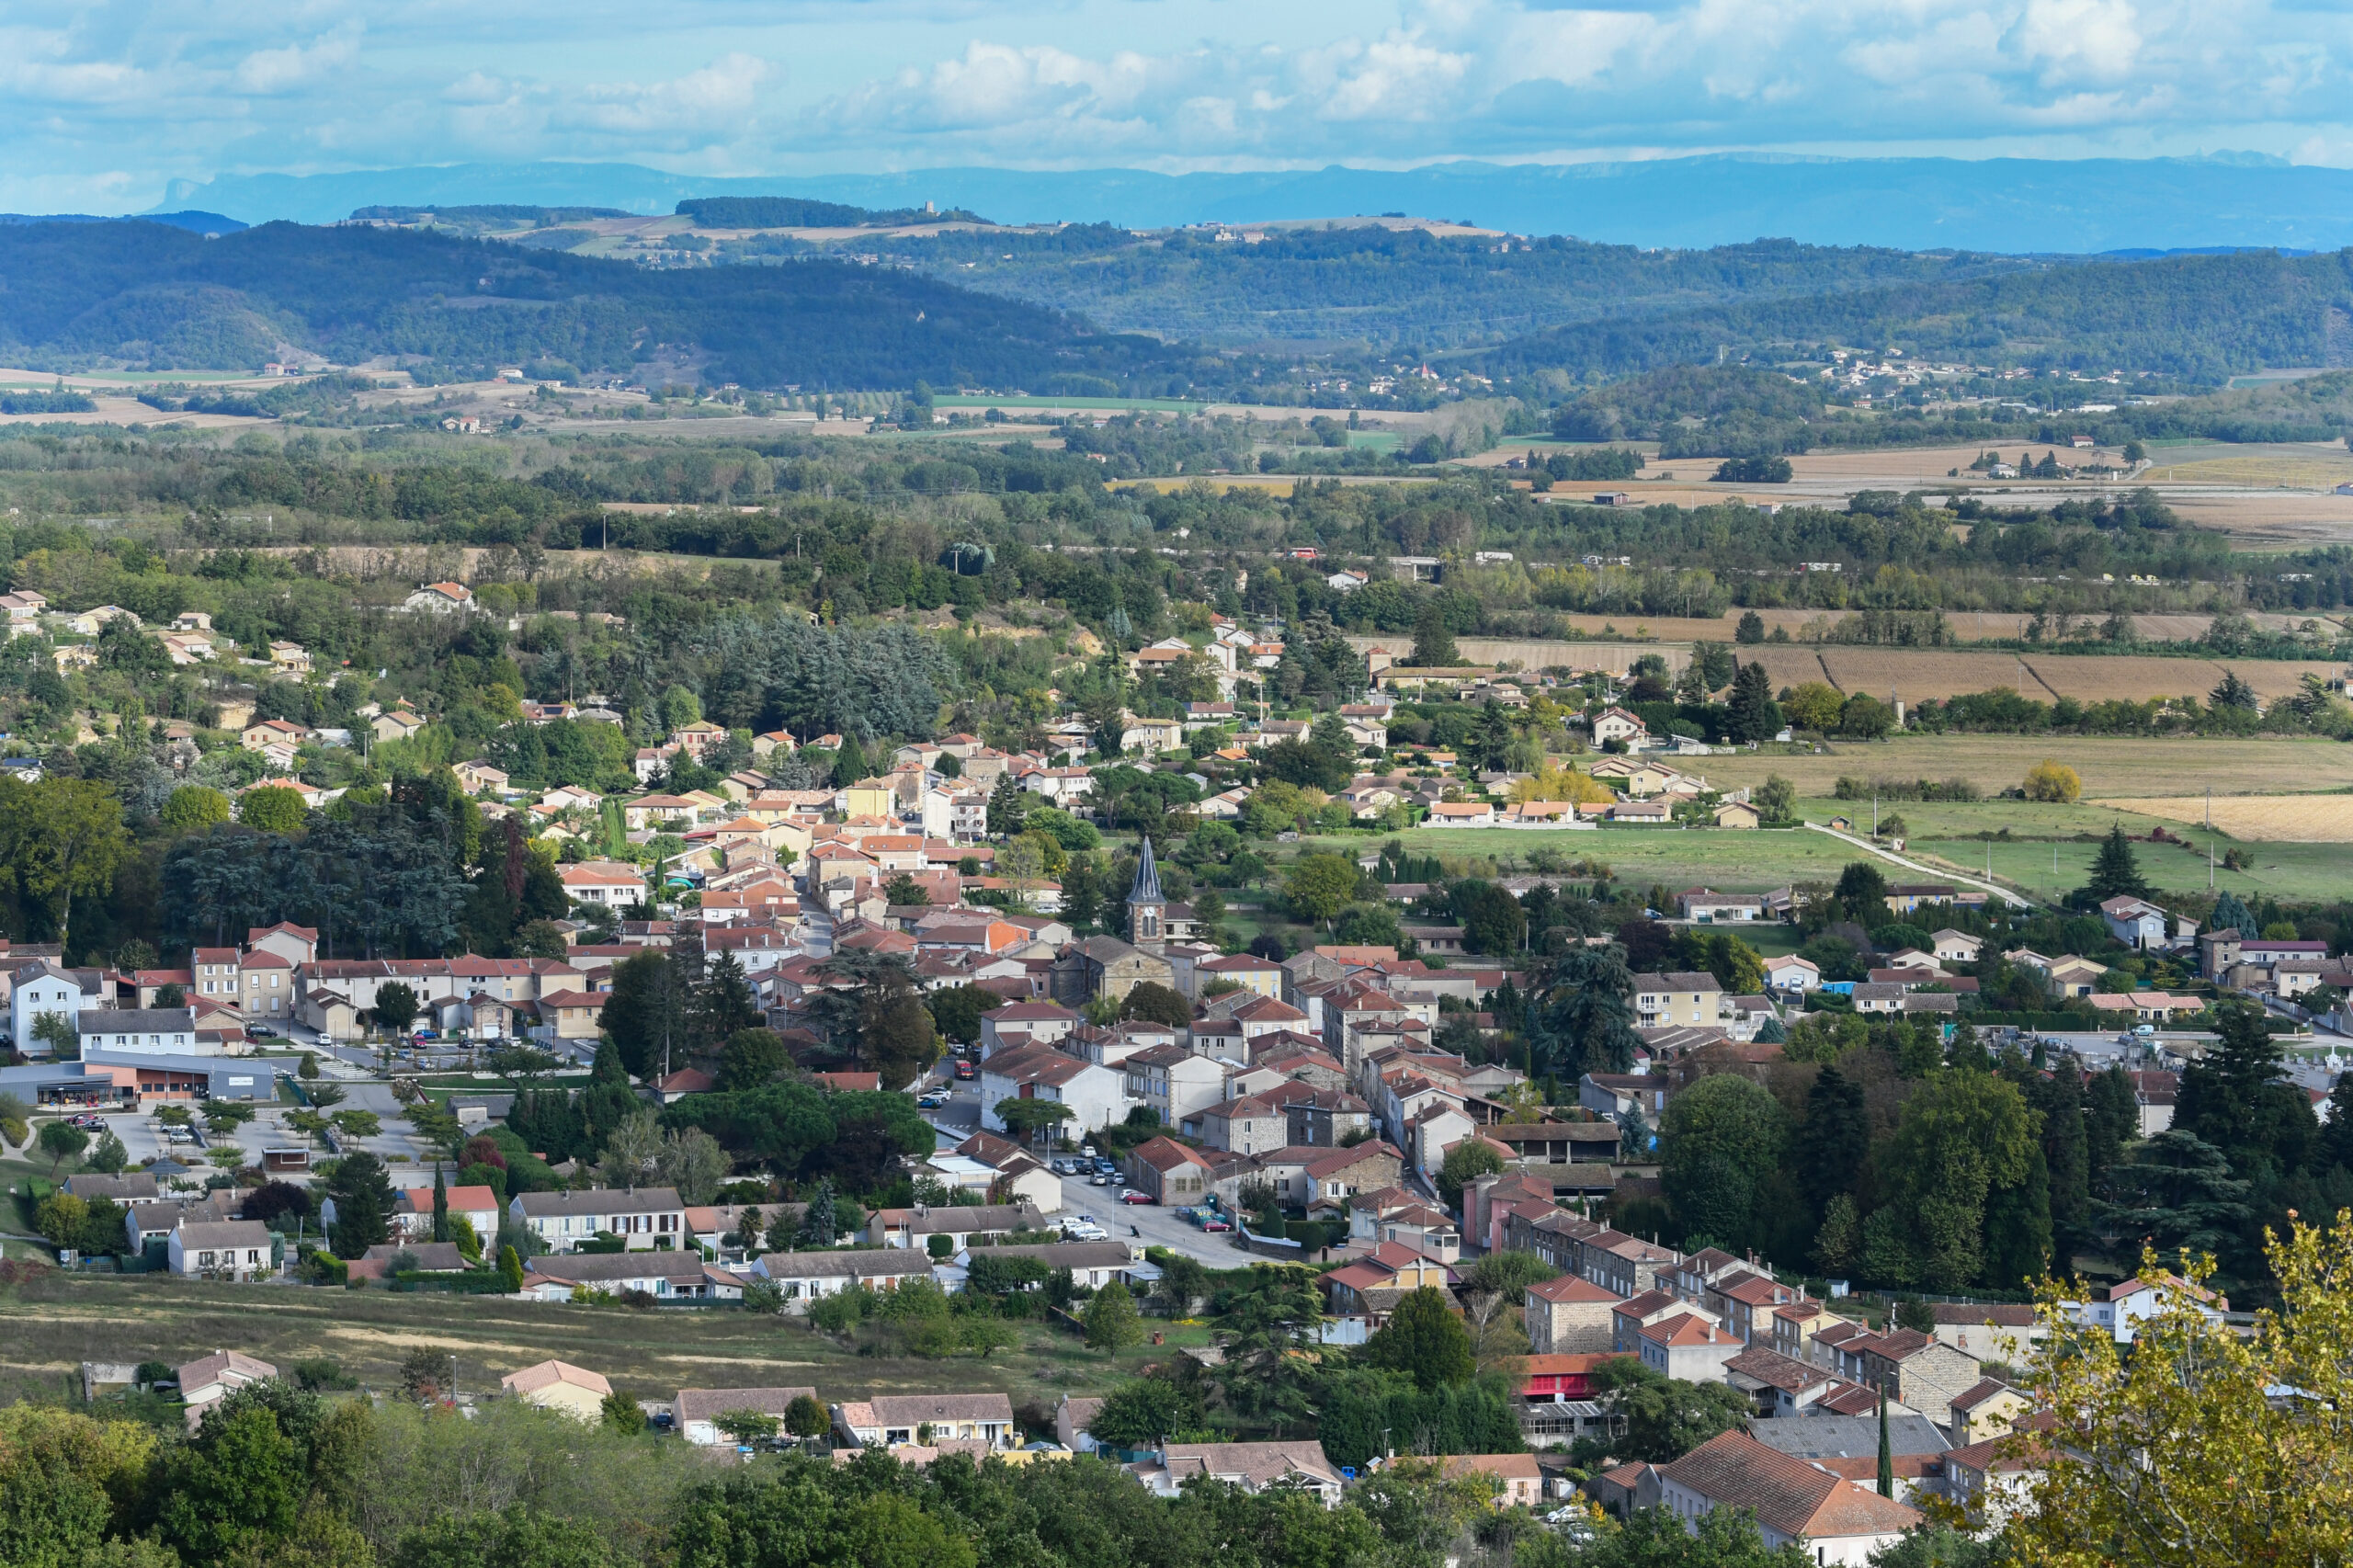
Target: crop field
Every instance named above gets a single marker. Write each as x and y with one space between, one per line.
1914 674
2187 764
2265 819
2298 466
49 1327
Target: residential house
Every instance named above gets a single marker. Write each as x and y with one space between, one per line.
694 1414
1568 1314
232 1249
962 1225
1168 1172
209 1380
1917 1370
1790 1500
439 598
1295 1466
2125 1307
1686 1346
665 1275
1687 997
562 1387
1985 1411
900 1420
478 1206
645 1217
1096 1096
1991 1331
1990 1480
1517 1480
807 1276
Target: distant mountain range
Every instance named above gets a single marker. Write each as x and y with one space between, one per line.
2011 205
194 222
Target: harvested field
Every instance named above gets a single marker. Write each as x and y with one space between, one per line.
1914 674
2096 678
2185 764
2274 818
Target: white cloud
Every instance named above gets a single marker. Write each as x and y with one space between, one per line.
190 89
294 65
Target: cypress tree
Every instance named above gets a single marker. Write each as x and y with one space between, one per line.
1886 1452
2064 1151
440 1206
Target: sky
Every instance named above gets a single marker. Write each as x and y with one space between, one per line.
108 100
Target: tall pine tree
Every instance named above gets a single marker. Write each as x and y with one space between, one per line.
2115 871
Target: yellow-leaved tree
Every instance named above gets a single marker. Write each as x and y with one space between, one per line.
2203 1442
2053 781
1554 782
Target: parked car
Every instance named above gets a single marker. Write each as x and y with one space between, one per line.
1214 1223
1100 1178
1132 1196
964 1070
261 1032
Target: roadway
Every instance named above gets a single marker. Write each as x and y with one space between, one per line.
1146 1224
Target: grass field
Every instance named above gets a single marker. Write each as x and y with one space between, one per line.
48 1328
1942 836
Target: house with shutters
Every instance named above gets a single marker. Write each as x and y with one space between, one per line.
645 1217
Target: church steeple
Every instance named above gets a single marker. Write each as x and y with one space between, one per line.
1145 903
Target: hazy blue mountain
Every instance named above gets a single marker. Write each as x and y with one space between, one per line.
194 222
2010 204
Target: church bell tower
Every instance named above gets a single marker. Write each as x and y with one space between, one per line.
1146 906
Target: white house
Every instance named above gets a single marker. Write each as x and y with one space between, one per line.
159 1031
439 598
1097 1097
607 882
1617 725
46 986
2135 922
806 1276
1790 972
234 1250
2125 1307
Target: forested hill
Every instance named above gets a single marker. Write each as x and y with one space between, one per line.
152 296
1384 287
2199 317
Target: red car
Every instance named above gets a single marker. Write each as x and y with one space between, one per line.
964 1070
1133 1196
1215 1224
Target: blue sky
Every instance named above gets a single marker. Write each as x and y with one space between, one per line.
108 100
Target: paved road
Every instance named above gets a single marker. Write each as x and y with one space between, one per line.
2004 894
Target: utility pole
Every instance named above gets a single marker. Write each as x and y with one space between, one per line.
2210 838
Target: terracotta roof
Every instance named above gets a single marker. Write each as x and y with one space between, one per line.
547 1374
1571 1287
1795 1498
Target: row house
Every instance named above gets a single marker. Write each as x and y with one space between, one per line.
642 1218
1177 1082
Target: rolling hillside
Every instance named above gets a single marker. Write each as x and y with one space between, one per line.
155 297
